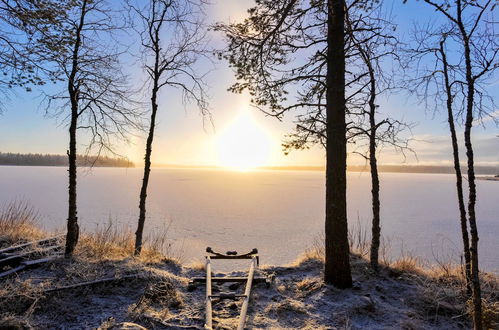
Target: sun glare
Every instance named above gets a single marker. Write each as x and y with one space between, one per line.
244 145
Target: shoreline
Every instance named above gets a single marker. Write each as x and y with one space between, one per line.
488 178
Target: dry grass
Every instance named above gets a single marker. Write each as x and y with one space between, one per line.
407 264
197 265
18 222
359 244
114 242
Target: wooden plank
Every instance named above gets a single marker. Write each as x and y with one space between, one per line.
247 292
229 279
36 262
208 316
94 282
21 246
77 285
12 271
232 257
27 264
18 258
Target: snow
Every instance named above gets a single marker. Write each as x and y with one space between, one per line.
161 298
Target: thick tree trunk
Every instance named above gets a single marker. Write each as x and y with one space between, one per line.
73 229
470 80
457 169
72 226
337 264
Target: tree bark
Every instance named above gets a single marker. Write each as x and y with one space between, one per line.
73 229
147 158
457 169
337 255
470 80
373 162
147 171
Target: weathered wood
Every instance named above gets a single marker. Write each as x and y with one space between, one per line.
208 317
12 271
253 255
27 264
18 258
247 292
94 282
229 279
39 242
76 285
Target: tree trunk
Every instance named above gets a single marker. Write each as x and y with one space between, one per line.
72 226
145 179
470 80
457 169
373 162
337 256
147 159
477 296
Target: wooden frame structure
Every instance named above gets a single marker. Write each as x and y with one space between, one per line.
253 256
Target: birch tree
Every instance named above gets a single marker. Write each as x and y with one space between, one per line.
473 22
172 42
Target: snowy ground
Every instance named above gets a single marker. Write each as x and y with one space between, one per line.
159 298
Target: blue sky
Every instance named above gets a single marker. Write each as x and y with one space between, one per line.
183 138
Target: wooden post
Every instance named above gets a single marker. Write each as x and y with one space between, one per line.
247 291
209 323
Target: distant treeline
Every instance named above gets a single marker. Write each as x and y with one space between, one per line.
484 170
479 169
61 160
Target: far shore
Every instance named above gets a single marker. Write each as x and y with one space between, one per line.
489 178
390 168
484 172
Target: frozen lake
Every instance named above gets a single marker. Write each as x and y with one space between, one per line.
280 212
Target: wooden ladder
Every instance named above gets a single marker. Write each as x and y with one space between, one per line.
233 255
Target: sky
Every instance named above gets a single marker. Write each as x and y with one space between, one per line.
240 135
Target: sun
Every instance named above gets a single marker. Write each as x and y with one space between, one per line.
244 145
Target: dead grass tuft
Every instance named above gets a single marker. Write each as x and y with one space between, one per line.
490 301
197 265
12 322
407 264
163 293
114 242
18 222
286 307
308 286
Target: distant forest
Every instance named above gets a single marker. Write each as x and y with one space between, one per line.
480 169
61 160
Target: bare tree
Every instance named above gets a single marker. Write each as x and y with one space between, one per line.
427 85
172 41
478 43
96 97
